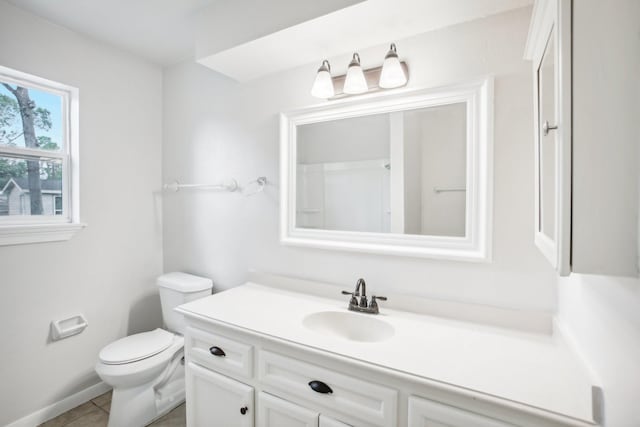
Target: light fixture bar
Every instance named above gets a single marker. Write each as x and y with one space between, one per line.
371 75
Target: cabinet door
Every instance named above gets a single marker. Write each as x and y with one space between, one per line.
330 422
551 56
276 412
427 413
217 401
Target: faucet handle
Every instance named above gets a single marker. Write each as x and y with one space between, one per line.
374 305
353 300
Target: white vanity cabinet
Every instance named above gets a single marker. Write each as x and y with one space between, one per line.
220 387
427 413
370 402
586 197
330 422
276 412
298 386
216 400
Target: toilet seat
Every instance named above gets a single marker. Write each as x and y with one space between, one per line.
136 347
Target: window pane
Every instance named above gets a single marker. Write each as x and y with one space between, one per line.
58 205
30 117
30 187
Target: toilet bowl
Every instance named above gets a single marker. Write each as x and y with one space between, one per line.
146 370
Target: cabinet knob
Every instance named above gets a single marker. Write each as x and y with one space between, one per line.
546 127
244 410
320 387
217 351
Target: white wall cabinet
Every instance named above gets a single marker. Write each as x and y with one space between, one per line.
549 49
586 198
216 400
297 387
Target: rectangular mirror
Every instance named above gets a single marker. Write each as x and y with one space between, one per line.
406 174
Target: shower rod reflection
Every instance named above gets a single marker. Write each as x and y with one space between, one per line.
448 189
230 185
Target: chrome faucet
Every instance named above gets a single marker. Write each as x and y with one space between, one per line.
363 306
363 299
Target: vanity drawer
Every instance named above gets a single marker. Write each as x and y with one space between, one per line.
372 403
423 412
219 353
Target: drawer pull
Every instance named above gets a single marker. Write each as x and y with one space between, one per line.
320 387
244 410
217 351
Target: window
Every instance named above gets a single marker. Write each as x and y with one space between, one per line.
58 206
38 159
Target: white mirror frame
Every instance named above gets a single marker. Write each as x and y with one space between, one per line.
474 246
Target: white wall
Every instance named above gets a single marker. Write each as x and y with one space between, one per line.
107 270
215 128
602 313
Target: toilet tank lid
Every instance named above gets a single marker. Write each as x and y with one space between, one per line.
183 282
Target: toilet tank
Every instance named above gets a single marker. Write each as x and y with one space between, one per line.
179 288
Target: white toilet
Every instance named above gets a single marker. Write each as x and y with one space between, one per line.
146 370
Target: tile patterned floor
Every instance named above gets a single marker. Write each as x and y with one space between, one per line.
95 413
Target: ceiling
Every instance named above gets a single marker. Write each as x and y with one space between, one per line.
226 35
159 30
164 31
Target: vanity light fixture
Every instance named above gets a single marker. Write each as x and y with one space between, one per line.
323 85
355 81
392 74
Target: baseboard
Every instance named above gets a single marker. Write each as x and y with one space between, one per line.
45 414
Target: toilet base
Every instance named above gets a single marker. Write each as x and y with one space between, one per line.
139 406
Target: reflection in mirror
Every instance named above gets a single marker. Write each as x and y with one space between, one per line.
402 172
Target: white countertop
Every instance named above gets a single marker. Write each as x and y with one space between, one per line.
537 370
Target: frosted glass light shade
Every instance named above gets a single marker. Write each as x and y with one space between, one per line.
323 85
355 82
392 74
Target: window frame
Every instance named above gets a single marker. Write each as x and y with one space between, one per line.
19 229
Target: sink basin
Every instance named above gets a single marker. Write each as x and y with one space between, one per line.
349 326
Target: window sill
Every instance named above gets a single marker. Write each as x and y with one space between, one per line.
37 233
